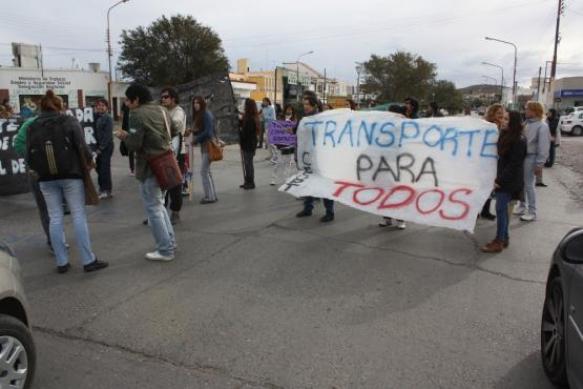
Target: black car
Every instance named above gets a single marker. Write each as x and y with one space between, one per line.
562 318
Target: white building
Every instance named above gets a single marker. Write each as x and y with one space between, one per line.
24 84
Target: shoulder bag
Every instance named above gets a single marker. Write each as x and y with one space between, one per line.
164 165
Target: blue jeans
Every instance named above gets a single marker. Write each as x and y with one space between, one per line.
502 217
328 204
529 181
73 191
158 219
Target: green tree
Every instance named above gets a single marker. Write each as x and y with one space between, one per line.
171 51
398 76
447 96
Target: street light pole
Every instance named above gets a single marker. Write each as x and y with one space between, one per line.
298 71
515 62
359 66
109 53
502 79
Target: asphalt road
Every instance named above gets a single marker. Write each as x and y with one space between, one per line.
259 299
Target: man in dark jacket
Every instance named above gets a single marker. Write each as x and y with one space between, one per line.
104 137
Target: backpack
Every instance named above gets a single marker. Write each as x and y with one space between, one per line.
50 150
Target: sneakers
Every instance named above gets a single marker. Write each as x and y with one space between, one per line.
495 246
249 186
207 201
105 195
519 210
528 217
156 256
401 225
541 184
387 222
95 265
327 218
304 213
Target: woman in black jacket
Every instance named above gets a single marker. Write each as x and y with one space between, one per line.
248 131
509 176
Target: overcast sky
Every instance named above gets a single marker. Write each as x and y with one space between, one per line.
449 33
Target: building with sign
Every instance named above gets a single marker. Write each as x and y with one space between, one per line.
567 92
24 84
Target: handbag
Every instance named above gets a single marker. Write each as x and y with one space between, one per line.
91 195
215 149
123 149
164 165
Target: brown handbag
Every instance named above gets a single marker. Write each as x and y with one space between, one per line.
164 165
215 149
91 195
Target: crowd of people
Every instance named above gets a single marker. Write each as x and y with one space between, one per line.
60 162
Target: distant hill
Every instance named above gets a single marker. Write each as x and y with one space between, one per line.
480 89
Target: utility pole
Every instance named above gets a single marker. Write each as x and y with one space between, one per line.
560 10
540 70
326 101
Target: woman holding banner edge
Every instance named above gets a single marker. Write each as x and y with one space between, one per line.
509 181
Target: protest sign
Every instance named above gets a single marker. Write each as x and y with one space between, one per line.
433 171
86 118
13 174
280 133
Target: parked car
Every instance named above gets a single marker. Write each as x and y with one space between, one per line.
17 350
572 124
562 316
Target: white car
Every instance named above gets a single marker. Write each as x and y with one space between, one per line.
572 124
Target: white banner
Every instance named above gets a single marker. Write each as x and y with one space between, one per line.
433 171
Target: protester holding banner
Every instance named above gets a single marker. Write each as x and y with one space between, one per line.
494 114
104 151
285 150
56 151
311 103
204 131
509 181
169 99
150 136
249 129
538 138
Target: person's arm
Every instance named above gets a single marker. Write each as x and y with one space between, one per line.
514 162
103 133
543 145
134 137
19 141
206 132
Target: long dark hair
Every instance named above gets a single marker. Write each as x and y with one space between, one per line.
509 136
294 116
251 113
198 116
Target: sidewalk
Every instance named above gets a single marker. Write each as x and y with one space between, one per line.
259 298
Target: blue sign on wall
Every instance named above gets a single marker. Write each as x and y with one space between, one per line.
572 93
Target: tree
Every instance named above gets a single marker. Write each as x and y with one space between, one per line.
447 96
171 51
398 76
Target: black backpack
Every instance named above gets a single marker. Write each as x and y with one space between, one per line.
50 150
